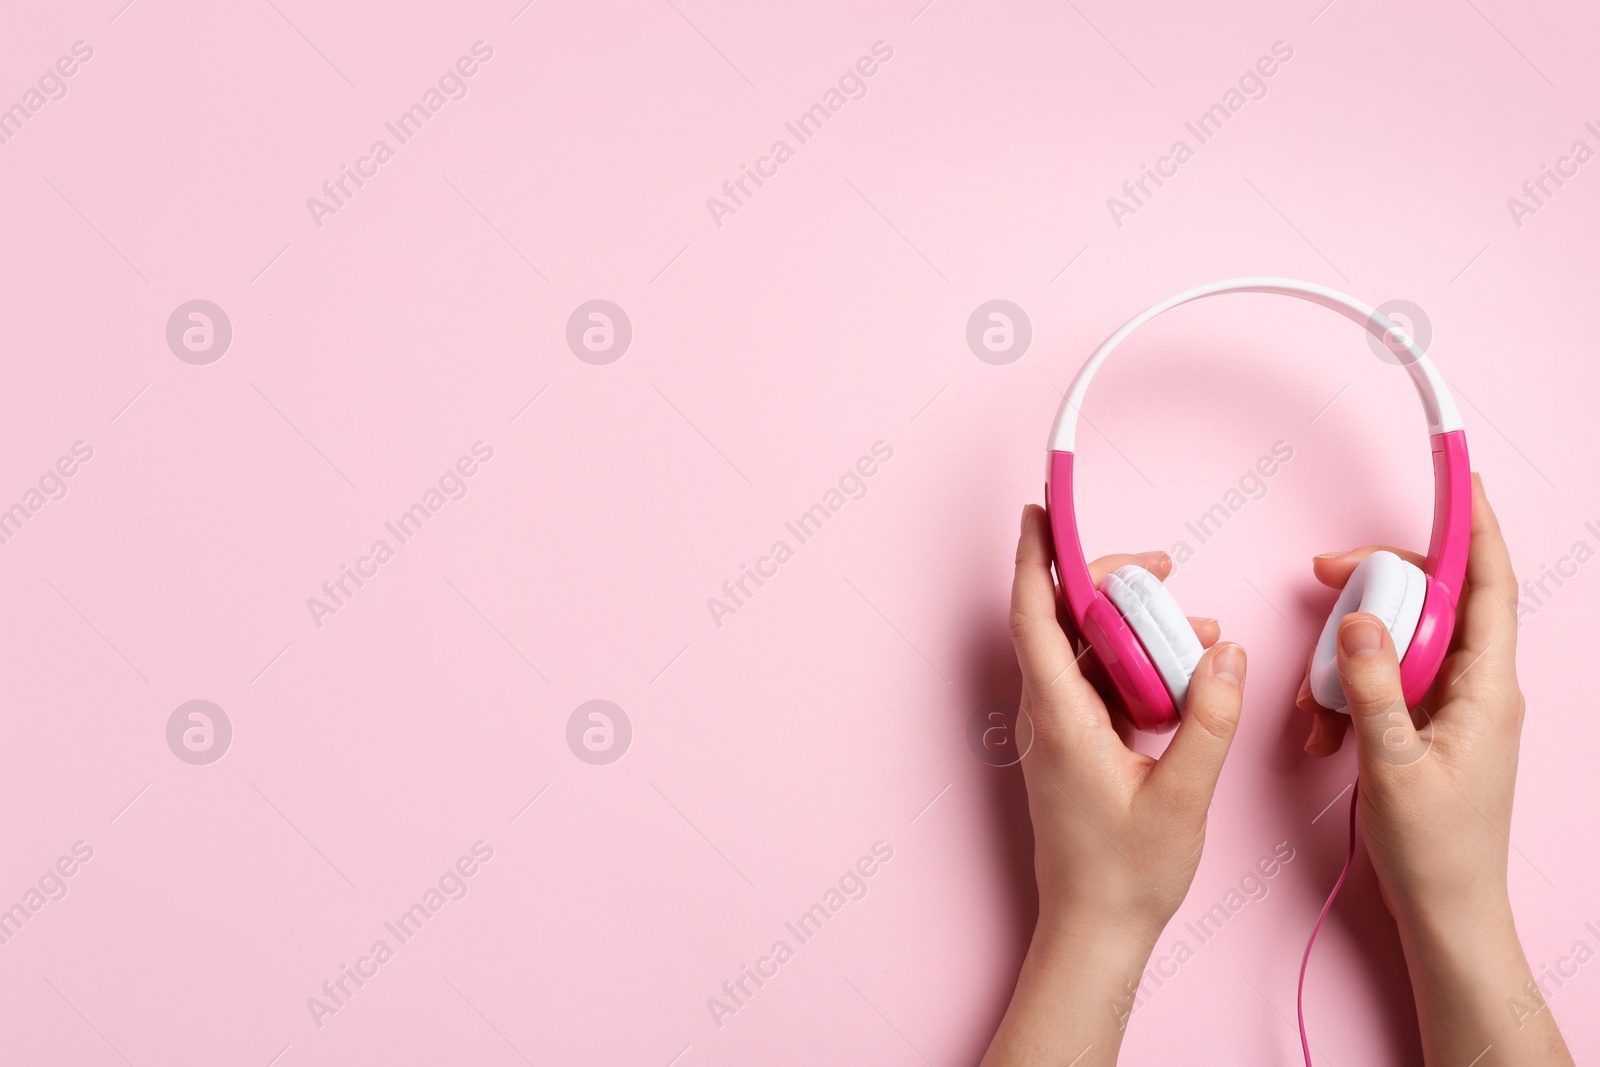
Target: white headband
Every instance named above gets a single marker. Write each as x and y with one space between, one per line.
1436 400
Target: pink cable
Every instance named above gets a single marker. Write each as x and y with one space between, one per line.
1300 996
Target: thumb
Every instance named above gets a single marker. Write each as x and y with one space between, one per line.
1369 674
1187 772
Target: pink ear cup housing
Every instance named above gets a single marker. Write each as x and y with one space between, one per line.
1139 690
1446 565
1429 644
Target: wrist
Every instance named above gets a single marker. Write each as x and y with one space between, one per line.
1075 993
1478 916
1098 951
1467 947
1115 944
1473 987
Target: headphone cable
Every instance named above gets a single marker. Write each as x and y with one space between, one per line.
1300 995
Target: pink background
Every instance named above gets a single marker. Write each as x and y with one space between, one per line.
768 354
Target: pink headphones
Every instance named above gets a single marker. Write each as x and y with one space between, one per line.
1135 627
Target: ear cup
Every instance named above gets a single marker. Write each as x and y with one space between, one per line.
1159 624
1384 585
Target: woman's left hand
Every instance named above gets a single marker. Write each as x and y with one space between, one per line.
1117 834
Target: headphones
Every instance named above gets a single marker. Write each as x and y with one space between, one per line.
1135 627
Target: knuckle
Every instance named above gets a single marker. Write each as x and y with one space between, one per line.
1372 695
1219 726
1371 681
1020 624
1380 714
1214 709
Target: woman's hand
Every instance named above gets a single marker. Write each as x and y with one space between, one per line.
1117 834
1436 784
1435 808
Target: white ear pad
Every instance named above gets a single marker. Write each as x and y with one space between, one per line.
1384 585
1159 624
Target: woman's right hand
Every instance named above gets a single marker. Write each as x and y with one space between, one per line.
1436 784
1435 807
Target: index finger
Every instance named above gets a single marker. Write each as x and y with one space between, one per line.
1333 569
1157 563
1043 650
1487 619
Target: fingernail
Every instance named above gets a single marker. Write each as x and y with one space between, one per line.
1203 618
1360 636
1024 516
1229 664
1329 555
1305 691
